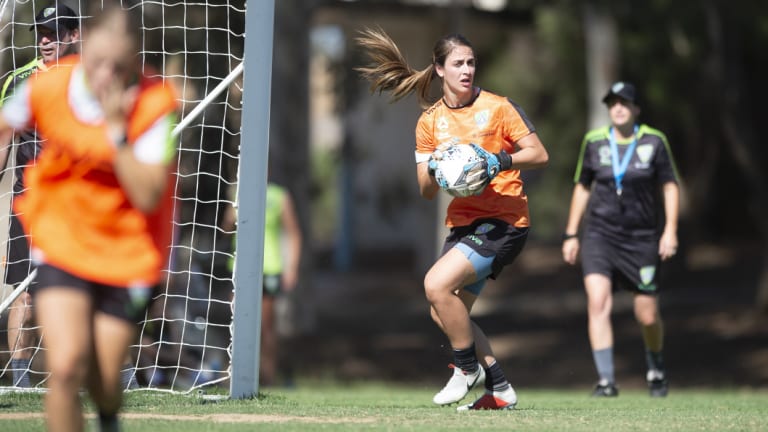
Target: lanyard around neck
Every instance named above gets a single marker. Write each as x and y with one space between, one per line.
619 169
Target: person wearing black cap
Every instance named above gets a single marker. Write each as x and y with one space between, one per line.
58 34
626 174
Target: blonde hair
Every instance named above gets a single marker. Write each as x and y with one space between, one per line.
389 71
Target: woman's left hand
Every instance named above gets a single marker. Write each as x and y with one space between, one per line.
667 245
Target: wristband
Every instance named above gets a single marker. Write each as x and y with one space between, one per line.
567 236
505 160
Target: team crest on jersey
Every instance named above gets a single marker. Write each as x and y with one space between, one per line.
442 123
644 153
48 12
481 119
605 155
647 274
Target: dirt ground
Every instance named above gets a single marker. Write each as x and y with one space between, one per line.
374 324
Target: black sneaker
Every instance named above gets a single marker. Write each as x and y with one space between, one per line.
657 383
605 389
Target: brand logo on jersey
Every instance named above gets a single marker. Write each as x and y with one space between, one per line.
48 12
646 277
481 119
644 153
605 155
442 123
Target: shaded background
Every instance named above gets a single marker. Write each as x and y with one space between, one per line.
347 157
699 68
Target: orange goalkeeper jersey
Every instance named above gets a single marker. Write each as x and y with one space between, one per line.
78 215
494 123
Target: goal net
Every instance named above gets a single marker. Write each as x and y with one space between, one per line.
185 340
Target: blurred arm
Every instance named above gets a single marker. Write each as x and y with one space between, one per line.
668 242
292 232
428 187
144 183
579 200
143 168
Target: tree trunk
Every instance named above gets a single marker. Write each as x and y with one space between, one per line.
602 59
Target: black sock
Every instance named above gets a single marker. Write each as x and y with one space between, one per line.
108 423
495 379
466 359
655 360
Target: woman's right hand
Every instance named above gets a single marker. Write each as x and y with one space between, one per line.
117 101
571 250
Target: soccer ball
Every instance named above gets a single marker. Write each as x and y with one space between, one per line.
460 171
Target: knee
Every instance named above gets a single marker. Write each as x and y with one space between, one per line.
19 311
433 290
67 372
599 306
647 318
646 311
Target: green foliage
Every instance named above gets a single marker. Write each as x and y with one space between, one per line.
544 73
379 407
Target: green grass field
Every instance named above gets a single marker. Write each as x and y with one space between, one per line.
377 407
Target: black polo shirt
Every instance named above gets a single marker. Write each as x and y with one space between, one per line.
638 211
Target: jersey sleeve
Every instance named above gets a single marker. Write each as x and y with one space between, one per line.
17 110
425 140
516 124
156 146
7 89
666 171
585 172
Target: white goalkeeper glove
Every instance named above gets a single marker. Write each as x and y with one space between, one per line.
436 156
475 180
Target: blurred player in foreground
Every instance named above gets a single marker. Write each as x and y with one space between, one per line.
99 206
58 34
626 173
487 230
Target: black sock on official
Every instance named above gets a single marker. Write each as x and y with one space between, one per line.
655 360
108 423
495 379
466 359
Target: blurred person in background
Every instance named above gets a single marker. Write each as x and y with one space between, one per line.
58 34
627 178
100 207
282 255
487 229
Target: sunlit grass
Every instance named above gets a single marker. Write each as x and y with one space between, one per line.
381 407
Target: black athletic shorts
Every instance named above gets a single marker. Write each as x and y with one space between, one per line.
128 304
489 238
273 285
633 264
18 264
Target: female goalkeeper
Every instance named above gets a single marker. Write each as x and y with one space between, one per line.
99 206
489 227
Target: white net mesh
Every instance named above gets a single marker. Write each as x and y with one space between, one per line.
184 342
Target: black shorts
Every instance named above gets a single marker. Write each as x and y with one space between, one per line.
633 264
273 285
129 304
489 238
18 264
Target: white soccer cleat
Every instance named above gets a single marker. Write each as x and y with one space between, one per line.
496 400
459 385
